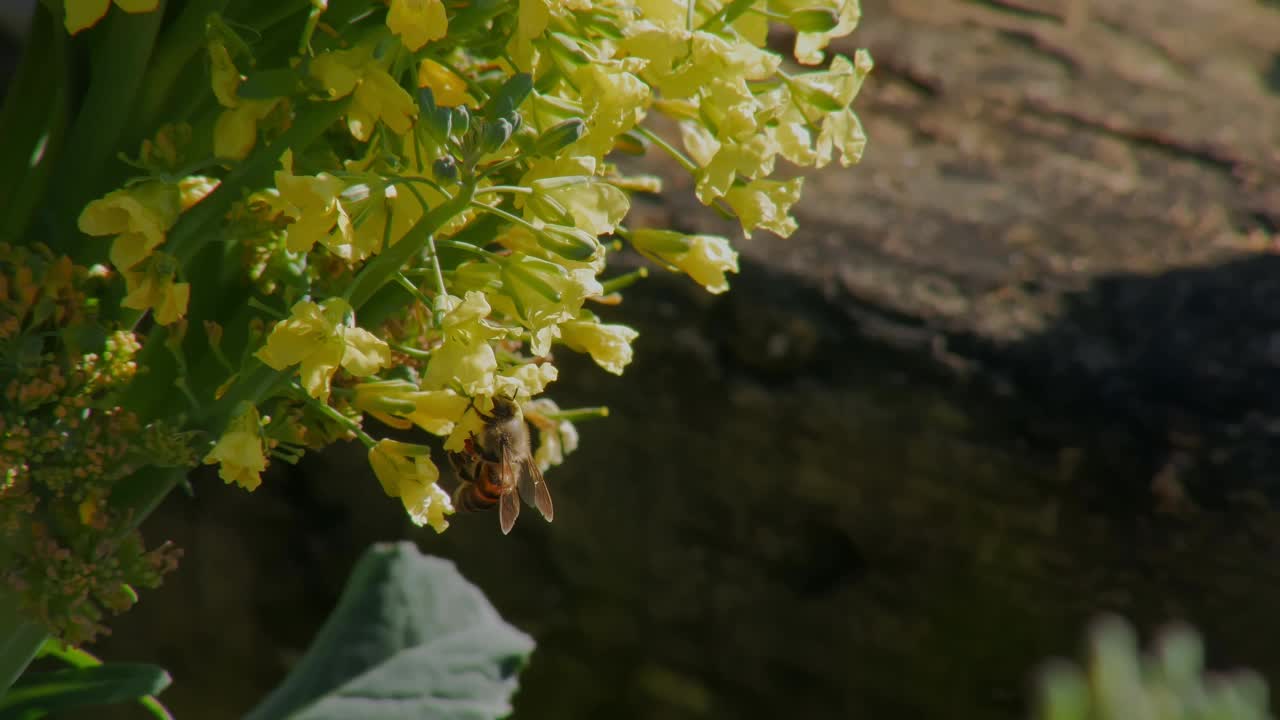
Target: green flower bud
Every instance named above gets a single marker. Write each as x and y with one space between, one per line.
548 208
437 121
567 51
445 169
817 20
461 119
559 137
660 242
494 135
568 242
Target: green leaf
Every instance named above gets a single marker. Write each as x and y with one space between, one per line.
60 690
119 48
32 124
410 638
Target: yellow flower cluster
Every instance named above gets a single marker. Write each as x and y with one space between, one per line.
425 199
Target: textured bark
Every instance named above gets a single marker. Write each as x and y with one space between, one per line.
1019 367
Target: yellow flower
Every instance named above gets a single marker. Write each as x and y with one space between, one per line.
86 13
154 288
239 451
448 89
142 212
707 261
615 101
466 359
380 97
766 204
319 338
705 258
130 248
339 71
751 158
236 130
809 45
312 202
377 95
400 404
595 206
532 19
417 22
842 130
541 295
525 380
194 188
609 345
225 77
556 438
403 208
406 471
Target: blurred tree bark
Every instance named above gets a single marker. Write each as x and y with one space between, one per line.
1020 366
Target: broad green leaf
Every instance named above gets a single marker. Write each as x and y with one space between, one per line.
60 690
410 638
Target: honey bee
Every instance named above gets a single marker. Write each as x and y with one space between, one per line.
497 465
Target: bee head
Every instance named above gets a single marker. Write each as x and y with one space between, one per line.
504 408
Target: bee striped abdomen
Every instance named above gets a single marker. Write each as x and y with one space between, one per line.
479 490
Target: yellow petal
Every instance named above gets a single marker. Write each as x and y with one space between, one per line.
417 22
448 89
173 303
84 13
129 249
609 345
365 352
137 6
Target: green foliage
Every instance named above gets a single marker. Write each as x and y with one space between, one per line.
410 638
1170 683
39 693
88 682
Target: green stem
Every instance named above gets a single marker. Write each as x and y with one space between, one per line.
442 292
382 268
467 247
411 351
578 414
514 189
326 410
515 219
667 147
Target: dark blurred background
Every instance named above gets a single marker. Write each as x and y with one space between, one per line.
1018 368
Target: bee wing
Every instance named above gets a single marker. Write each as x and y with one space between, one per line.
533 488
507 469
508 511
